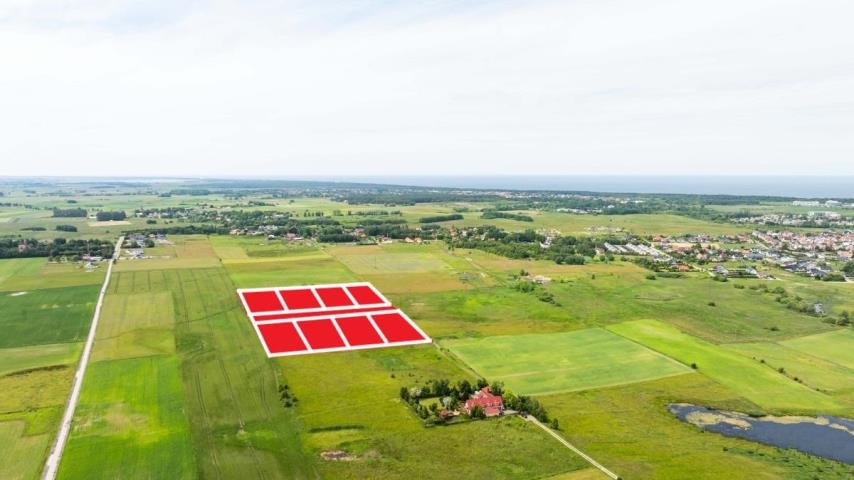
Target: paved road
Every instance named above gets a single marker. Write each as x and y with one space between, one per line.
568 445
51 466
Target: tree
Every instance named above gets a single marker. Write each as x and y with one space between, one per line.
481 382
404 394
477 412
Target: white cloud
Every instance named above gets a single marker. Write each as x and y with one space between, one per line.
373 87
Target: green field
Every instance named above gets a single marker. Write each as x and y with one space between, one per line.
836 346
561 362
179 387
758 383
811 369
130 412
53 315
38 356
42 332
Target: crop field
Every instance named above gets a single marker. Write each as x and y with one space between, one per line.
130 411
52 315
836 346
42 329
748 378
38 356
541 364
235 424
140 325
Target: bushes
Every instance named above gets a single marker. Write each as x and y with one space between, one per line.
66 228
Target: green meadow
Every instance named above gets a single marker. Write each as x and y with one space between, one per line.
541 364
758 383
836 346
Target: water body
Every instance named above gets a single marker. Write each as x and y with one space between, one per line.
801 186
824 436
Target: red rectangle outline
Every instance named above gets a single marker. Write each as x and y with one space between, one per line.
309 350
240 292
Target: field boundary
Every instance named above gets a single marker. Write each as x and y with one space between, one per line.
51 466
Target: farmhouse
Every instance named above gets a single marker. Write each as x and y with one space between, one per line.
492 405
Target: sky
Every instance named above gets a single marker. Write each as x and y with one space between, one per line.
260 88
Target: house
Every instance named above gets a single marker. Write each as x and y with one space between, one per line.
492 405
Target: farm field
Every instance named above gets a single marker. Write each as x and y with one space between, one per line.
541 364
746 377
42 330
38 356
31 319
235 423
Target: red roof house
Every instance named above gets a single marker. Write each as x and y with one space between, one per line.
491 405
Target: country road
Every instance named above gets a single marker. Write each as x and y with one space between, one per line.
570 446
51 465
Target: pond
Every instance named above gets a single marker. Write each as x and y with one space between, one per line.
824 436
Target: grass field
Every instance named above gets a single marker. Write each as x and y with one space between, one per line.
388 439
23 274
746 377
485 311
541 364
629 429
189 251
813 370
836 346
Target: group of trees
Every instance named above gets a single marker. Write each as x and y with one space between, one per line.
450 397
567 249
441 218
488 214
69 212
58 247
107 216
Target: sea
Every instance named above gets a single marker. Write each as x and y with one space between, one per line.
801 186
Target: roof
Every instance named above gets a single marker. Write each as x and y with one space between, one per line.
489 403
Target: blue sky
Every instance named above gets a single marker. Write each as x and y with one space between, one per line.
262 87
